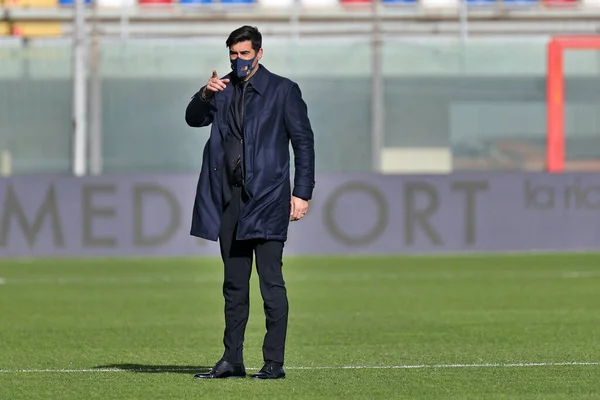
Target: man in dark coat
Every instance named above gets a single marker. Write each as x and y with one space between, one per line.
244 198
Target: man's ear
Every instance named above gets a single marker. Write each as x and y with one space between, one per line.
259 54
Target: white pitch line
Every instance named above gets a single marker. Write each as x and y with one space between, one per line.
451 365
581 274
418 366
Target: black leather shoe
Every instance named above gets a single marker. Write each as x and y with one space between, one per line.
223 369
271 370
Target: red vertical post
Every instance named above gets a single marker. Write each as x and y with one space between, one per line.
555 100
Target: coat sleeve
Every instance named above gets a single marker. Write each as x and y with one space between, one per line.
200 112
302 139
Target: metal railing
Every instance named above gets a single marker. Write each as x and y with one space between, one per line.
372 31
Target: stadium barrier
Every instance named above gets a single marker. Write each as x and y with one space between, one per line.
351 214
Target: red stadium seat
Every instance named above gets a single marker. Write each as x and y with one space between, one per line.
358 4
154 2
560 3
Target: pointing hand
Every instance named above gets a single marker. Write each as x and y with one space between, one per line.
214 84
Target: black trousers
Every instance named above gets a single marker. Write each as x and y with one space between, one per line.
237 259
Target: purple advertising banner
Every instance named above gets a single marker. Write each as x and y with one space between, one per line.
146 215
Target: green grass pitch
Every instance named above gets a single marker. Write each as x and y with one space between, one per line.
471 327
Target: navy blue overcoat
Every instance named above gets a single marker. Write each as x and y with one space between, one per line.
275 116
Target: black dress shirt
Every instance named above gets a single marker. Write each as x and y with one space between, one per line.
233 143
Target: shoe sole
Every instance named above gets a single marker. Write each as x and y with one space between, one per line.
229 377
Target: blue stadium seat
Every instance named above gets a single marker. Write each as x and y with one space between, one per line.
71 2
237 1
197 1
399 1
517 3
482 2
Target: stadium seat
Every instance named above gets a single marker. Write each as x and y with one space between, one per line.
319 3
521 2
387 2
233 2
482 2
116 3
31 3
439 3
72 2
277 3
560 3
198 1
154 2
356 1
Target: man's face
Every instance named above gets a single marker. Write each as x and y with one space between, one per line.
244 51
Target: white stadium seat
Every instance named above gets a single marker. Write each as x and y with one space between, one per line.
277 3
116 3
320 3
439 3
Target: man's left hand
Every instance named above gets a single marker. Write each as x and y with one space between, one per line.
298 208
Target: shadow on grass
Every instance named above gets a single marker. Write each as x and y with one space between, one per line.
157 369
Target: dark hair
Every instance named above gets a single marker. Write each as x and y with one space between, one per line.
243 34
